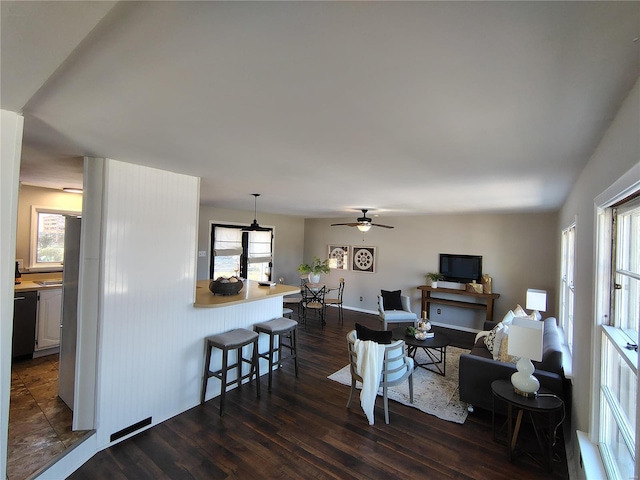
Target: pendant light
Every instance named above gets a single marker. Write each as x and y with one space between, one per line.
254 227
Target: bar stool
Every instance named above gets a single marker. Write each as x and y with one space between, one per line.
286 312
234 339
284 328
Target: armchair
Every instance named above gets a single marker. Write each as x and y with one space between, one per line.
396 368
396 316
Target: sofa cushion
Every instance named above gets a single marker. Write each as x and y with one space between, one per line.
391 300
493 340
551 348
378 336
480 349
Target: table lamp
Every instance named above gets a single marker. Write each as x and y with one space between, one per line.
525 341
536 301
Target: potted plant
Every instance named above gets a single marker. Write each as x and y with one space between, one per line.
315 269
433 278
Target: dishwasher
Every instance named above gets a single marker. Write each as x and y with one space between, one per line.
25 307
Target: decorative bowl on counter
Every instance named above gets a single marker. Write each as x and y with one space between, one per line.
226 286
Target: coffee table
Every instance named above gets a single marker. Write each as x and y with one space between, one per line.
435 348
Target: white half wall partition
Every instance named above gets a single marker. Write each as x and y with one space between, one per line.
11 130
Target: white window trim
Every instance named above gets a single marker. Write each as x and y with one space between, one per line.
625 186
33 243
255 259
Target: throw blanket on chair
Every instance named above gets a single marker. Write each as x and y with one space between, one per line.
369 366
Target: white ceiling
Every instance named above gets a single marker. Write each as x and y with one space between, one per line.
324 107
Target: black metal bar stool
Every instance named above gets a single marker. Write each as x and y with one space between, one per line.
283 328
232 340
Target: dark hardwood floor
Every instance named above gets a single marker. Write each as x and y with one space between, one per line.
302 429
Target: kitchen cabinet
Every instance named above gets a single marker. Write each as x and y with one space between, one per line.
49 309
25 309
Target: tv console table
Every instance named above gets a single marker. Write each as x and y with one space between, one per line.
427 299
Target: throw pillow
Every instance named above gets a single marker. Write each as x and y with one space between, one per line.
504 351
519 311
378 336
391 300
492 341
508 318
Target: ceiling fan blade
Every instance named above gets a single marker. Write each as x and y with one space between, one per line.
380 225
345 224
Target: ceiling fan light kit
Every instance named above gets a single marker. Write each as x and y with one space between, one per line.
363 223
254 227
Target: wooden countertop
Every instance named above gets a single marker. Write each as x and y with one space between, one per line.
29 280
250 292
30 286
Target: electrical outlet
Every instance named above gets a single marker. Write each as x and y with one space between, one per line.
439 311
20 264
360 298
202 253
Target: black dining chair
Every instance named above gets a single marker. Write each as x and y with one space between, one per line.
313 299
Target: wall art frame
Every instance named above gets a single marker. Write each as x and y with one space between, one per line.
338 256
363 259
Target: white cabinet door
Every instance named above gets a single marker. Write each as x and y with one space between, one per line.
49 308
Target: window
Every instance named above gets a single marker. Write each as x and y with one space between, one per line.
227 251
259 256
235 252
618 408
567 293
47 237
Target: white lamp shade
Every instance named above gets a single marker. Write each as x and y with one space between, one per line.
525 338
536 300
364 227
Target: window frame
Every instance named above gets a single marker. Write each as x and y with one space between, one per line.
246 260
607 337
567 282
34 265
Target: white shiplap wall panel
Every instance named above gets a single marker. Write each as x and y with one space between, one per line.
151 338
149 253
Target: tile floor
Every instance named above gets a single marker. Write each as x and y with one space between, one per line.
39 422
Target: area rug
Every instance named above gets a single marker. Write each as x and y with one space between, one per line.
432 393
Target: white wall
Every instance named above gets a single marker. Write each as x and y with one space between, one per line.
519 252
617 153
288 242
11 146
151 337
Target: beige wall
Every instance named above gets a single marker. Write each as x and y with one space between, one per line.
39 197
519 251
617 153
288 242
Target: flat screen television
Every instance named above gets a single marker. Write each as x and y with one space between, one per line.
461 268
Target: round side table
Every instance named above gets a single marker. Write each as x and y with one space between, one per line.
545 404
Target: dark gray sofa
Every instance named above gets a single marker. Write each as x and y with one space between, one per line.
478 368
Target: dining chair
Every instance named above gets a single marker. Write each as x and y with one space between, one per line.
313 299
337 301
396 368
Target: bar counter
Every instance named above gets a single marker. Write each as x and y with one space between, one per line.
251 292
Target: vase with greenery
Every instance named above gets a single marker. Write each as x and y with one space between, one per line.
314 269
434 278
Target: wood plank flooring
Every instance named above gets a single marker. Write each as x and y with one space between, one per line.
302 429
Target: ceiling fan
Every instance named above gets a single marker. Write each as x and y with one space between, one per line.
363 223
